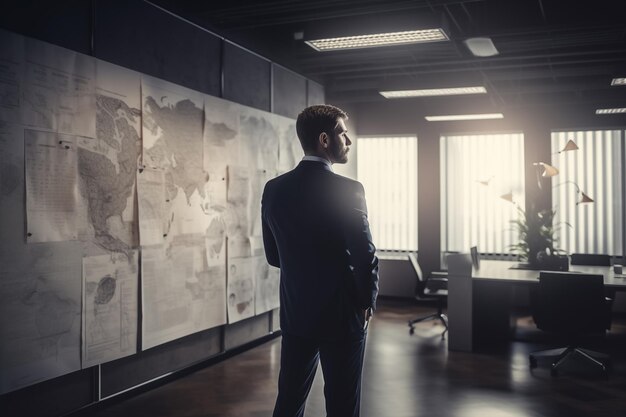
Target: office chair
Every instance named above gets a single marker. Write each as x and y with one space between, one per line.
593 260
433 288
444 258
590 259
572 305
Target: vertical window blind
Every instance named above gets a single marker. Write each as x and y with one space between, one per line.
595 168
387 168
476 170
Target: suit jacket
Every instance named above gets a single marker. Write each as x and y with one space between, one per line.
315 229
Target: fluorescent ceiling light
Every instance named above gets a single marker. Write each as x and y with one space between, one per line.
481 46
618 81
379 39
433 92
450 117
611 111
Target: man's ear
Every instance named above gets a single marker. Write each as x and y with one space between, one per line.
324 140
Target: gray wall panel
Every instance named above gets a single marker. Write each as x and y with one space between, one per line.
173 356
64 23
247 78
276 319
315 93
245 331
141 37
289 93
55 397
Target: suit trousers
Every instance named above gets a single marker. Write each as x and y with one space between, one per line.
342 364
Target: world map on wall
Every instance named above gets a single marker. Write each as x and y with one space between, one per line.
107 169
181 159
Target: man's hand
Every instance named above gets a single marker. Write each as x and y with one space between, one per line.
367 315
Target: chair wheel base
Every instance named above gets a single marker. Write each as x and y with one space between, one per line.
600 360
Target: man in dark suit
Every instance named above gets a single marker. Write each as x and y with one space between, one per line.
315 229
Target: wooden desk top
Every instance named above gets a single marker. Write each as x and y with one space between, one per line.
500 271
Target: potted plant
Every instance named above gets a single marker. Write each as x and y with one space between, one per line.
537 241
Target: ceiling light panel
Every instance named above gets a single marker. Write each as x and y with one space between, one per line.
611 111
618 81
452 117
481 47
434 92
380 39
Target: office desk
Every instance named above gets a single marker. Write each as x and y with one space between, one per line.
500 271
484 304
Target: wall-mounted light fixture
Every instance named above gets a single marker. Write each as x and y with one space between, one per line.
543 170
485 182
569 146
508 197
584 197
548 170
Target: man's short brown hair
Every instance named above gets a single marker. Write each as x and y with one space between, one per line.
314 120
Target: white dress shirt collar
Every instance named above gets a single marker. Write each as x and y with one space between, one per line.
318 159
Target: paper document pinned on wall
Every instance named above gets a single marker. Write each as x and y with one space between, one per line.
110 285
51 186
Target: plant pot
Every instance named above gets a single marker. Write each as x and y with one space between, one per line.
552 262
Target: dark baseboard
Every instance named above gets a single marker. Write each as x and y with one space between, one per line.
107 402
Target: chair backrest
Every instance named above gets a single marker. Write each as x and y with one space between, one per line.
416 267
444 259
475 257
590 259
436 285
569 303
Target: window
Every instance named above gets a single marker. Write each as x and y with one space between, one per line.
387 167
596 169
476 171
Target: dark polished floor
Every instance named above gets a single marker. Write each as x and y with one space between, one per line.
407 376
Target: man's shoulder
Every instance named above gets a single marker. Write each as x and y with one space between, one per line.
347 183
278 179
281 182
349 193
